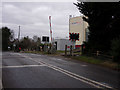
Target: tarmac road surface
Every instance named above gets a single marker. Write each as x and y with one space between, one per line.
25 70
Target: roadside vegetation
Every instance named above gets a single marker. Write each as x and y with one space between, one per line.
104 27
104 63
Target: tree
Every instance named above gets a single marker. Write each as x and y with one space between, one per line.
31 44
36 42
104 23
25 43
35 38
115 49
7 36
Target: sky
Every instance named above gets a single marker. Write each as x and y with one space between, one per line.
33 18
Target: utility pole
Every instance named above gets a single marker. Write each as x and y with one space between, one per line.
18 37
19 34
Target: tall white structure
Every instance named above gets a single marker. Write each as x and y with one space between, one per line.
77 25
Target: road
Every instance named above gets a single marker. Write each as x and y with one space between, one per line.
25 70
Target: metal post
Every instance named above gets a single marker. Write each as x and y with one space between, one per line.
81 50
70 50
65 50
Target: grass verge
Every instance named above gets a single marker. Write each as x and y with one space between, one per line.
104 63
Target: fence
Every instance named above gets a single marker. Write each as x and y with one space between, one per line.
72 51
101 55
79 52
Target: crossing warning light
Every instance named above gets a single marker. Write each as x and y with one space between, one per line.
74 36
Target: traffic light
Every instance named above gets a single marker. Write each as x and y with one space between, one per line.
74 36
77 36
70 36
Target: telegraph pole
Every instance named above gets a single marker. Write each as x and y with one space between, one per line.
18 37
19 34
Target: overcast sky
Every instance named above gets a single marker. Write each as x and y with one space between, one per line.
33 17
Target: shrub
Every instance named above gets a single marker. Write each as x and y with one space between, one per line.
115 49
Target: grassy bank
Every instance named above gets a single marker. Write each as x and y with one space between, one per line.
92 60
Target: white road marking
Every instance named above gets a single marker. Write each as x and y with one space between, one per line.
53 58
78 77
56 59
14 53
73 75
84 65
35 55
59 59
22 66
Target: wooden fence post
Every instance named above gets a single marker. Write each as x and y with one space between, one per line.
65 50
81 50
97 53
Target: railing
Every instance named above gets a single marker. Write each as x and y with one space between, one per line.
72 52
100 55
78 52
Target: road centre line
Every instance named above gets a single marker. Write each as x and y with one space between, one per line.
73 75
78 77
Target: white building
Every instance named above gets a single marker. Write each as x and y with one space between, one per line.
60 43
77 25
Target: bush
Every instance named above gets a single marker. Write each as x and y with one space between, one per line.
115 49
